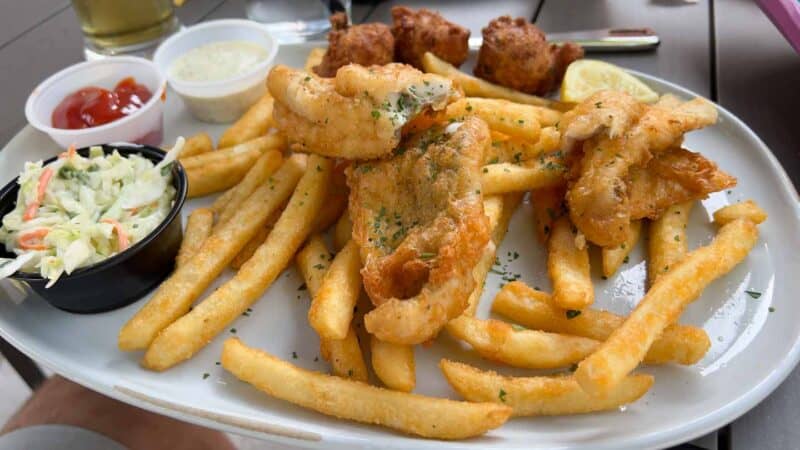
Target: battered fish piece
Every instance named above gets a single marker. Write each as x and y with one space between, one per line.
357 115
423 30
598 199
419 222
366 44
515 54
675 176
609 112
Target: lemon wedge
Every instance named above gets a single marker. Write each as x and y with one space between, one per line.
584 77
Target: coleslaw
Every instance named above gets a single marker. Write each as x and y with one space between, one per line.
78 211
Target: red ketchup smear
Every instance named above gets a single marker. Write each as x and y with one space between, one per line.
93 106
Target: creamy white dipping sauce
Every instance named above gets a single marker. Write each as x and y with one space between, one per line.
217 61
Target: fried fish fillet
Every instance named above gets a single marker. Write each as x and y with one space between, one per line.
358 114
608 112
598 197
419 222
675 176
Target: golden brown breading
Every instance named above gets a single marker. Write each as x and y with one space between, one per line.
674 176
515 54
419 222
598 199
366 44
357 115
423 30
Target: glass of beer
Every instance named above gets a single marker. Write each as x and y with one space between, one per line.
114 27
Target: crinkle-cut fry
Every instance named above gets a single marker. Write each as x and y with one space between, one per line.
663 304
429 417
344 355
681 344
530 349
539 396
744 210
196 145
255 122
187 335
393 364
508 118
343 231
198 228
666 243
613 257
254 147
314 59
548 205
546 117
177 293
475 87
258 174
332 307
506 178
568 267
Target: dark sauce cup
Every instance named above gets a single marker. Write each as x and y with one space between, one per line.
125 277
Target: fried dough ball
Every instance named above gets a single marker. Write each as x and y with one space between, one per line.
516 54
367 44
417 32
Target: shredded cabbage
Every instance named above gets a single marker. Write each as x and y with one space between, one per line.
84 202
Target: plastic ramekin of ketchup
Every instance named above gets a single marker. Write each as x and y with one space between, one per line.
94 106
119 99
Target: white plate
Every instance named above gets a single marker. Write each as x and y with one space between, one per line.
752 349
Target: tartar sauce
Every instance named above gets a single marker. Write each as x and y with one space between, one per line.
217 61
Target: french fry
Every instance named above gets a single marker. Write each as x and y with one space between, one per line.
198 228
344 355
475 87
252 245
393 364
666 244
531 349
254 122
534 309
663 304
196 145
175 295
314 59
546 117
511 150
505 178
613 257
568 267
336 202
343 231
548 205
332 307
255 177
499 209
539 396
254 148
503 118
429 417
217 175
187 335
745 210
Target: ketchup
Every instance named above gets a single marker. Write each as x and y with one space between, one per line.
93 106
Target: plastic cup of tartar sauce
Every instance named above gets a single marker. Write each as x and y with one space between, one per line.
218 68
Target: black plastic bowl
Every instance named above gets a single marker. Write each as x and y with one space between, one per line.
125 277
